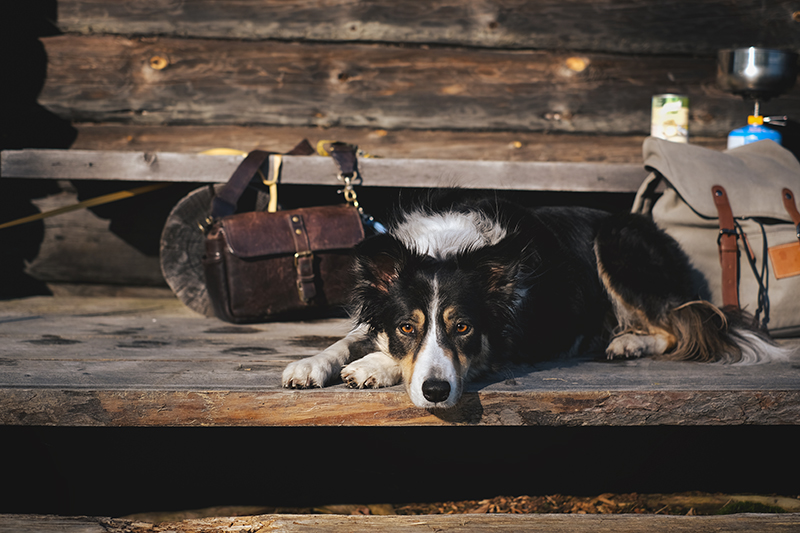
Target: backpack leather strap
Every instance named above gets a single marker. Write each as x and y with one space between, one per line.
791 208
728 248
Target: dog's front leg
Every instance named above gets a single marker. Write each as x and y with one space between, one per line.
372 371
320 369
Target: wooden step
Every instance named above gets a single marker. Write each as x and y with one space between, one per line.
766 523
71 361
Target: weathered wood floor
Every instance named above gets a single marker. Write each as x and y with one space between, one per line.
72 361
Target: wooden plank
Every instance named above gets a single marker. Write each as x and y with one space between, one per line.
102 165
336 407
309 170
152 362
396 144
630 26
10 523
572 523
110 79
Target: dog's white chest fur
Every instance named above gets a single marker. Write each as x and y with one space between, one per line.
447 234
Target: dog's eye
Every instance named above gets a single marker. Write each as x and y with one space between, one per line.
463 328
407 329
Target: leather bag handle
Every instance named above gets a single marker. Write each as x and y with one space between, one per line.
225 201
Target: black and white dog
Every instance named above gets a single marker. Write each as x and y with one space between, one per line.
462 283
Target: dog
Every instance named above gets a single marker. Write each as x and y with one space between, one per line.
461 284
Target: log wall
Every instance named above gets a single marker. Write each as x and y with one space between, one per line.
502 80
574 66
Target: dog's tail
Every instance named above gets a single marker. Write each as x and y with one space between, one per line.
707 333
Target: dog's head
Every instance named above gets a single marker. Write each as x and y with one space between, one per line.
440 318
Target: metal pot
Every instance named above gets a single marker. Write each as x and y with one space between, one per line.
759 73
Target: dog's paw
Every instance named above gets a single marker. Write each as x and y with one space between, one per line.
306 373
631 345
372 371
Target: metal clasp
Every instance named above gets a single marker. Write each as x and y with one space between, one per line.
206 224
349 192
298 255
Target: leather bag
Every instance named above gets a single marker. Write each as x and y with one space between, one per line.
291 264
735 214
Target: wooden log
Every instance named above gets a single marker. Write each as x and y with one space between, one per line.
637 27
114 79
397 144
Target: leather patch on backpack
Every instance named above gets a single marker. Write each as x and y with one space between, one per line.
785 259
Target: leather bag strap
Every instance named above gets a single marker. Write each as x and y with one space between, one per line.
344 155
728 247
225 201
791 208
303 259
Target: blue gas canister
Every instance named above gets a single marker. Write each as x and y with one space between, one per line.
754 131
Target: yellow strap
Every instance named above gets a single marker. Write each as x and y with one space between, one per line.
321 147
277 160
222 151
92 202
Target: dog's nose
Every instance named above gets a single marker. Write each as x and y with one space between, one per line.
435 390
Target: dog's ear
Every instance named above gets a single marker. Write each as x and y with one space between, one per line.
501 277
499 267
379 261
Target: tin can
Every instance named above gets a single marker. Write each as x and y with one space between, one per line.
670 117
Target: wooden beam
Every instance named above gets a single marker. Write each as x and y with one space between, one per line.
46 406
197 81
310 170
630 26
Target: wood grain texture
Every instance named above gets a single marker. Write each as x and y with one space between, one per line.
110 79
630 26
327 407
458 523
397 144
135 362
316 170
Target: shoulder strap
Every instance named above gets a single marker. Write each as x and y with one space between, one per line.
728 248
225 201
